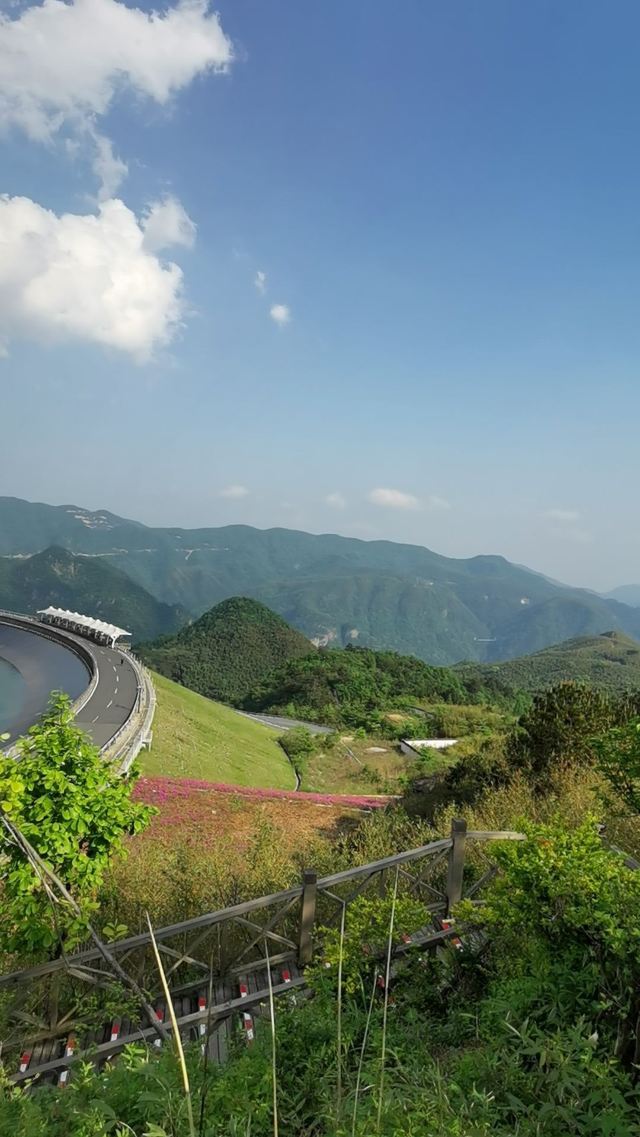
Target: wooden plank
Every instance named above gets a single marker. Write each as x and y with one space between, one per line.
495 835
455 868
210 919
307 916
385 863
269 926
223 1029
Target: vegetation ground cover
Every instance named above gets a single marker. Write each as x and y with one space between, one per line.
534 1029
511 1035
356 765
194 737
609 662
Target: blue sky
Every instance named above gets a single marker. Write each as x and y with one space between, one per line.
444 202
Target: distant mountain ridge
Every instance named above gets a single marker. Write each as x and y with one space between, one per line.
626 594
335 590
88 585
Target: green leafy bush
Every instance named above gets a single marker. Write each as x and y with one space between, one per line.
74 809
298 744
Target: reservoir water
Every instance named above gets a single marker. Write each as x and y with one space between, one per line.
31 667
13 690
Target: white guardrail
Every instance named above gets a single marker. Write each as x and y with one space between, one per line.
135 732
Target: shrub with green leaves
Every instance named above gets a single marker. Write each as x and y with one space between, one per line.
366 935
567 891
74 809
617 755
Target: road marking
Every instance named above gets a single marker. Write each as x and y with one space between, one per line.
109 703
95 719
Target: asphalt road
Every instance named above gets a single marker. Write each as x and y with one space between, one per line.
46 665
280 723
114 697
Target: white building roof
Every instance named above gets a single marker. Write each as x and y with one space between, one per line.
90 622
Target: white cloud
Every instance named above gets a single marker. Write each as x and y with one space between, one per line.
108 168
260 281
336 500
280 314
168 224
64 63
394 499
567 515
85 277
234 492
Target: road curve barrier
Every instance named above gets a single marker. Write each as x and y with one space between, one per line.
136 732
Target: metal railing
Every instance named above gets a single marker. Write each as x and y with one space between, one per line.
434 873
284 929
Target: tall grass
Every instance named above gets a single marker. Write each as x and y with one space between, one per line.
363 1050
343 915
387 976
176 1032
272 1016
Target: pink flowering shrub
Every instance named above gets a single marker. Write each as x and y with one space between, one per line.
158 791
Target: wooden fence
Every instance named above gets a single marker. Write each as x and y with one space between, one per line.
229 953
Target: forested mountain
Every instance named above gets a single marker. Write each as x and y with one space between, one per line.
347 686
609 662
334 589
84 584
228 650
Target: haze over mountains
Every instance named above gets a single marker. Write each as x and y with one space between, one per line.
626 594
333 589
85 584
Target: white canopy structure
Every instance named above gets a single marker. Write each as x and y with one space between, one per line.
99 630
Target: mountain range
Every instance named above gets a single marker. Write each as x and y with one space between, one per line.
84 584
626 594
335 590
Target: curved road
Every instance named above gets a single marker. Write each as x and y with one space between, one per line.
46 665
114 698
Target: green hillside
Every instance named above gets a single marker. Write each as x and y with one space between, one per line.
91 585
228 650
609 661
194 737
335 590
354 687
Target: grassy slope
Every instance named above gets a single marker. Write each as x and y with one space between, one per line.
194 737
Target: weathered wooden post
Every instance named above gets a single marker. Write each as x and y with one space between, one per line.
455 868
307 917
